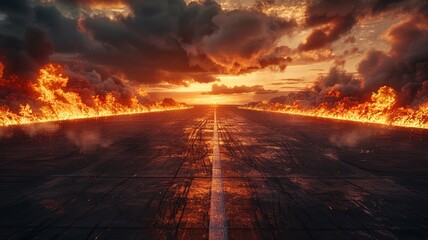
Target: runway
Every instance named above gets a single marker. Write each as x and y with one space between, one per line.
151 176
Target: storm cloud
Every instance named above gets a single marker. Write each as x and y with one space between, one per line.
148 41
404 68
103 44
329 20
244 41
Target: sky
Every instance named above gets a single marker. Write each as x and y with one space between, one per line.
224 52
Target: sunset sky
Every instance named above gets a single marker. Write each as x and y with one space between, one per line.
203 52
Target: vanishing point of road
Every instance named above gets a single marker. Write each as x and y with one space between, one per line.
213 172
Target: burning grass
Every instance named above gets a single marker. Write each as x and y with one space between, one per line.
49 98
381 109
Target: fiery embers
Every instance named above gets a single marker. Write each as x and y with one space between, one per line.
381 109
50 98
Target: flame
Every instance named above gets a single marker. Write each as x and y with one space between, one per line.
58 103
381 109
1 70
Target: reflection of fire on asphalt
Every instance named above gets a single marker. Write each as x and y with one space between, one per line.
139 176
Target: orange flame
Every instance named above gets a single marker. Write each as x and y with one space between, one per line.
1 70
380 110
60 104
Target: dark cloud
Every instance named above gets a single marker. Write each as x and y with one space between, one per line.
405 67
382 5
323 36
189 43
243 41
17 38
37 45
223 89
63 31
17 12
170 41
92 2
25 56
146 47
331 19
155 41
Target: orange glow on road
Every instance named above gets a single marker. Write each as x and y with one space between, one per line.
56 102
380 110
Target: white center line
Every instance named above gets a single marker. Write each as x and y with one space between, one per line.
218 228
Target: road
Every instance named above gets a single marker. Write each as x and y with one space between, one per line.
274 176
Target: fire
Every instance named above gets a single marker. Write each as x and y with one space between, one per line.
1 70
54 102
381 109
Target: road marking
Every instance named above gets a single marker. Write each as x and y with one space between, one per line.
218 228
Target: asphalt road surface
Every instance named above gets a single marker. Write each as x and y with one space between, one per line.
191 175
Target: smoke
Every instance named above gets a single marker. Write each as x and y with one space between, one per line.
351 138
25 56
89 83
88 140
5 133
33 130
405 67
